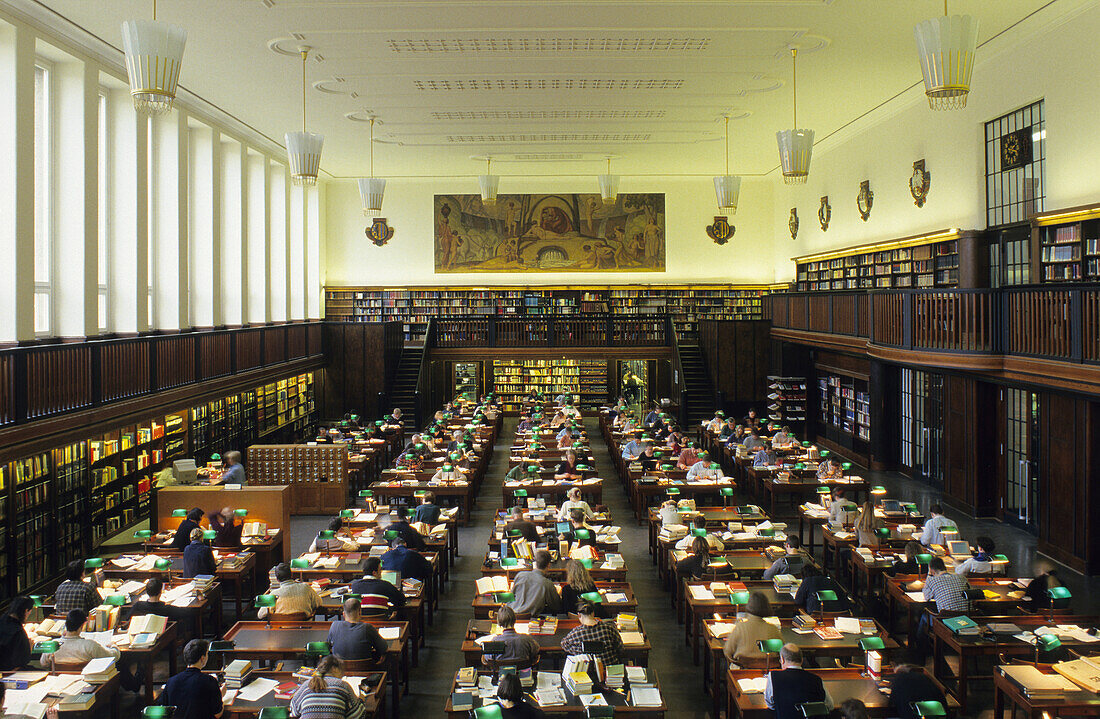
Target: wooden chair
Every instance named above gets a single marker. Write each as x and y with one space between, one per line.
289 616
356 666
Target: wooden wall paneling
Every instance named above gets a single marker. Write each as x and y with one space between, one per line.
958 441
882 384
985 448
355 347
1062 487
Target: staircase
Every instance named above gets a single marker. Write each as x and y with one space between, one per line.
700 391
403 394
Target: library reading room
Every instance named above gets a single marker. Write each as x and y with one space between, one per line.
765 353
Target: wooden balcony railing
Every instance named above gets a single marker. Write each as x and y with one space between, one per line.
568 331
1059 322
47 380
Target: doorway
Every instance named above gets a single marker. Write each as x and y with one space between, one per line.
922 425
1020 504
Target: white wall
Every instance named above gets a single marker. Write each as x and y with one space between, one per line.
690 255
1051 61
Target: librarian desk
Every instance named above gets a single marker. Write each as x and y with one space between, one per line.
549 644
698 609
812 515
485 605
268 550
346 572
553 490
366 518
103 695
1006 691
556 570
969 648
244 571
192 615
716 517
332 607
462 494
287 640
1001 597
847 683
573 708
715 665
374 700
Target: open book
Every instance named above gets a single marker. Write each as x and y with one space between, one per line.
492 585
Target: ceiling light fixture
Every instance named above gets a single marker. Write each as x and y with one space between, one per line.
727 187
795 145
609 185
371 189
489 184
154 55
947 46
304 148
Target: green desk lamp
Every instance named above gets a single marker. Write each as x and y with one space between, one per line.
1046 643
143 534
928 710
163 565
769 648
158 712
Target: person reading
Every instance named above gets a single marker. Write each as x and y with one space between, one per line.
194 694
533 591
519 649
790 687
352 638
743 640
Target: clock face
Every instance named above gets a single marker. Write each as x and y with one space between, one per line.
1016 149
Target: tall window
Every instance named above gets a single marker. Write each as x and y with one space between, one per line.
150 227
922 424
103 263
43 200
1021 501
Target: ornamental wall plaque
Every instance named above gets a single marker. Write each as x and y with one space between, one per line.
824 214
793 223
865 199
721 231
379 232
919 182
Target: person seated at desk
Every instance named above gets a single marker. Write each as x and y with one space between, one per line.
228 530
700 523
813 581
15 645
427 511
704 469
742 641
1035 595
521 524
908 685
409 563
867 526
831 468
74 592
523 472
783 438
195 695
764 457
753 442
411 537
729 430
565 438
182 537
527 424
578 581
659 429
653 416
632 449
695 564
513 700
568 468
793 686
77 650
411 461
198 558
559 420
931 532
674 443
394 419
669 513
715 425
594 629
234 470
576 523
836 506
751 421
947 591
291 596
573 501
853 709
456 439
448 473
371 585
789 562
519 649
909 565
688 457
152 603
322 436
534 592
335 543
980 563
352 638
647 459
326 695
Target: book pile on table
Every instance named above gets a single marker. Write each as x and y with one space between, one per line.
578 682
616 677
803 621
237 673
1037 685
99 671
785 583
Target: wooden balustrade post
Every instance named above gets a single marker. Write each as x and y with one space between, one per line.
907 320
95 365
19 386
492 330
1075 325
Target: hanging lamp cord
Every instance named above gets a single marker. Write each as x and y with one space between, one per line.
727 144
372 148
794 83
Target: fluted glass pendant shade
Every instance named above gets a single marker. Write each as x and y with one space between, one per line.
727 188
371 190
154 55
795 149
947 47
303 150
609 188
489 185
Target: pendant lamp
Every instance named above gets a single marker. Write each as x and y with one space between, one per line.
609 186
947 46
154 54
304 148
727 187
795 145
489 184
371 189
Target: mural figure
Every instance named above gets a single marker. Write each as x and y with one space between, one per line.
550 233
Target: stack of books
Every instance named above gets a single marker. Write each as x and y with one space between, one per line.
578 682
645 696
202 582
627 622
785 583
550 697
1037 685
803 621
462 701
237 673
672 533
638 677
616 677
99 671
466 677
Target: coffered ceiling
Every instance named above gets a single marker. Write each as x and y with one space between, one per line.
547 86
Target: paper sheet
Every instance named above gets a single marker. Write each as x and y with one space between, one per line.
390 633
257 688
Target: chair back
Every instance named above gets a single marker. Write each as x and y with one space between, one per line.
289 616
356 666
68 666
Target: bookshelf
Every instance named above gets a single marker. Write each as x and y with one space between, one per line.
844 411
947 258
787 401
222 424
1066 245
586 379
688 305
287 404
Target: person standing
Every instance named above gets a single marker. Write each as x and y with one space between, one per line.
198 558
182 537
74 592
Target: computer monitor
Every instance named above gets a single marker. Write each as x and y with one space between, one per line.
892 506
563 527
957 547
185 471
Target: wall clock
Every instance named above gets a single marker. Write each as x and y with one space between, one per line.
919 182
1016 149
865 199
824 213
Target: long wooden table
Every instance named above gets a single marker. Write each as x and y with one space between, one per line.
244 571
550 644
374 700
1006 692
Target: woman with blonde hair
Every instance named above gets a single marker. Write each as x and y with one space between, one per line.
577 582
867 524
326 695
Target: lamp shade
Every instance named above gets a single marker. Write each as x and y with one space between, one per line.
727 188
46 647
609 188
795 150
947 47
1047 642
371 190
163 565
158 712
489 185
318 649
928 709
870 644
739 598
592 597
276 712
303 151
769 646
240 512
154 55
265 600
